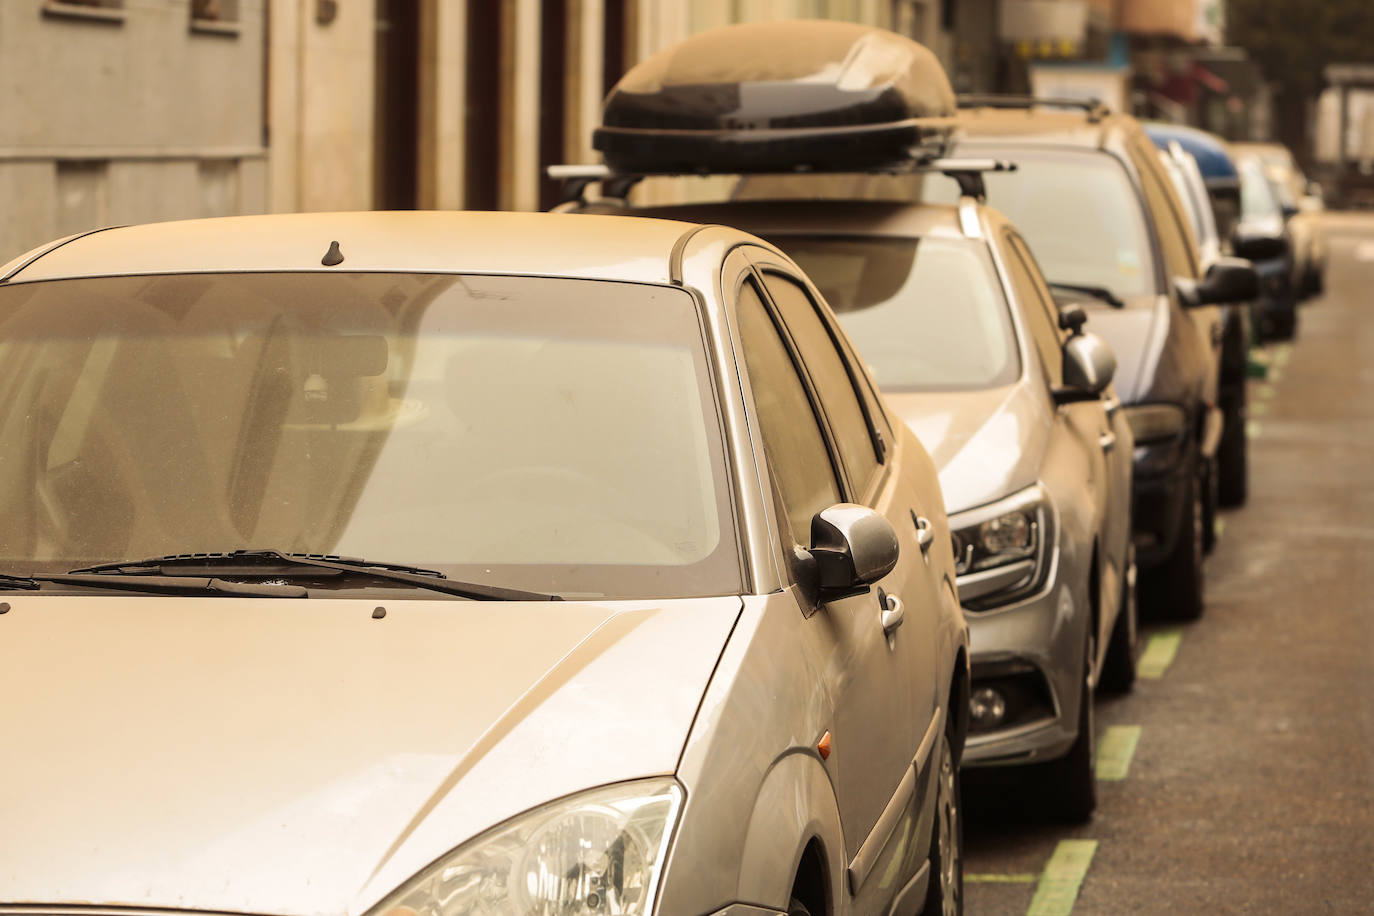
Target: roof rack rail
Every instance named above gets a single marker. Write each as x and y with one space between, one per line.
1094 108
616 185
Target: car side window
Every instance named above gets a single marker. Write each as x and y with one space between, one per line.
833 378
1174 237
1037 307
791 431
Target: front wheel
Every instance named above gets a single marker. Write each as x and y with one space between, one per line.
1118 669
1175 587
1233 453
1070 783
945 889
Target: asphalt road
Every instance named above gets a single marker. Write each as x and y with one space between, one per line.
1239 778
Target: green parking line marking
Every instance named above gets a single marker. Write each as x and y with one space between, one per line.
1257 409
1281 354
1220 527
1063 876
1000 879
1115 750
1159 654
1265 391
1276 374
1252 428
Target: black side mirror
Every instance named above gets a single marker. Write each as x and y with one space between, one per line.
1259 247
1072 318
1089 365
1228 280
852 547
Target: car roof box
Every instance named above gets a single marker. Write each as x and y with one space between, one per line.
804 95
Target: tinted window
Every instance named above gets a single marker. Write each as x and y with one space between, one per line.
924 314
1040 315
554 435
832 378
1078 211
791 434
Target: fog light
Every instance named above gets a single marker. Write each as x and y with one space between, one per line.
987 707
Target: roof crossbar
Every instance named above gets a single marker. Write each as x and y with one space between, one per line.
1093 108
616 185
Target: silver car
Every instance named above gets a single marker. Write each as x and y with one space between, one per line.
953 318
449 564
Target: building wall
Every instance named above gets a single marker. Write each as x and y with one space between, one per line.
127 115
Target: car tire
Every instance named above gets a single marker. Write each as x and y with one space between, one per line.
797 908
1233 458
1285 325
1175 587
1118 669
1070 783
945 888
1210 501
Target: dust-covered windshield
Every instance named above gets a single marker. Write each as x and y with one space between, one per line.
545 434
925 314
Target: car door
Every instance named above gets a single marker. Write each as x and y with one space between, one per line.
1092 425
815 429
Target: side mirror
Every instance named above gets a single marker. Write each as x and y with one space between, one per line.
853 547
1227 280
1072 318
1259 247
1089 365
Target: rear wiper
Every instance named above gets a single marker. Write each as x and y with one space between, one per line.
281 563
1097 292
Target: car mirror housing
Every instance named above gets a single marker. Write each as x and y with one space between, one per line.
852 547
1228 280
1259 247
1089 365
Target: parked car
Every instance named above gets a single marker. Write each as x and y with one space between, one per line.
949 312
1302 203
1100 215
666 620
1262 218
1181 163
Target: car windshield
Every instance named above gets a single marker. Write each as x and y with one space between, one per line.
553 435
1079 212
925 314
1258 199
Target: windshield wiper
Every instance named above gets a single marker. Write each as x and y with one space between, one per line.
158 585
281 563
1097 292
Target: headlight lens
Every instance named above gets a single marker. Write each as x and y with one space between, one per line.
999 549
1155 422
600 852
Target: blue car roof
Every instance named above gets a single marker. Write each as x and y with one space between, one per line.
1208 149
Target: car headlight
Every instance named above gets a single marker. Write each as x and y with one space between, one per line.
1000 550
599 852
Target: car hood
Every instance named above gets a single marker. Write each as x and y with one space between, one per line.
1136 334
304 757
985 444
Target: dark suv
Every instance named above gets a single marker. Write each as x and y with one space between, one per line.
1091 197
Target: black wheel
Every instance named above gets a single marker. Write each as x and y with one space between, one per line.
1174 588
1285 326
945 889
1233 453
1118 670
1070 783
797 908
1210 502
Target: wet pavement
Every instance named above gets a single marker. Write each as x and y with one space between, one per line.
1238 777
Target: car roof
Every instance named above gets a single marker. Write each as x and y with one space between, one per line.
1213 158
1064 128
827 217
544 244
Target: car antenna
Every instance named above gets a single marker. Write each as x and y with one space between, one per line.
333 256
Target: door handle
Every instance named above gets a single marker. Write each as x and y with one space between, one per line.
1107 440
925 533
892 612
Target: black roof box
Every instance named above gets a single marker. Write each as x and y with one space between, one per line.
778 96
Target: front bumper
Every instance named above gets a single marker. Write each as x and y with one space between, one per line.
1032 651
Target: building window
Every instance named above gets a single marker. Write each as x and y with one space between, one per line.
99 10
218 16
